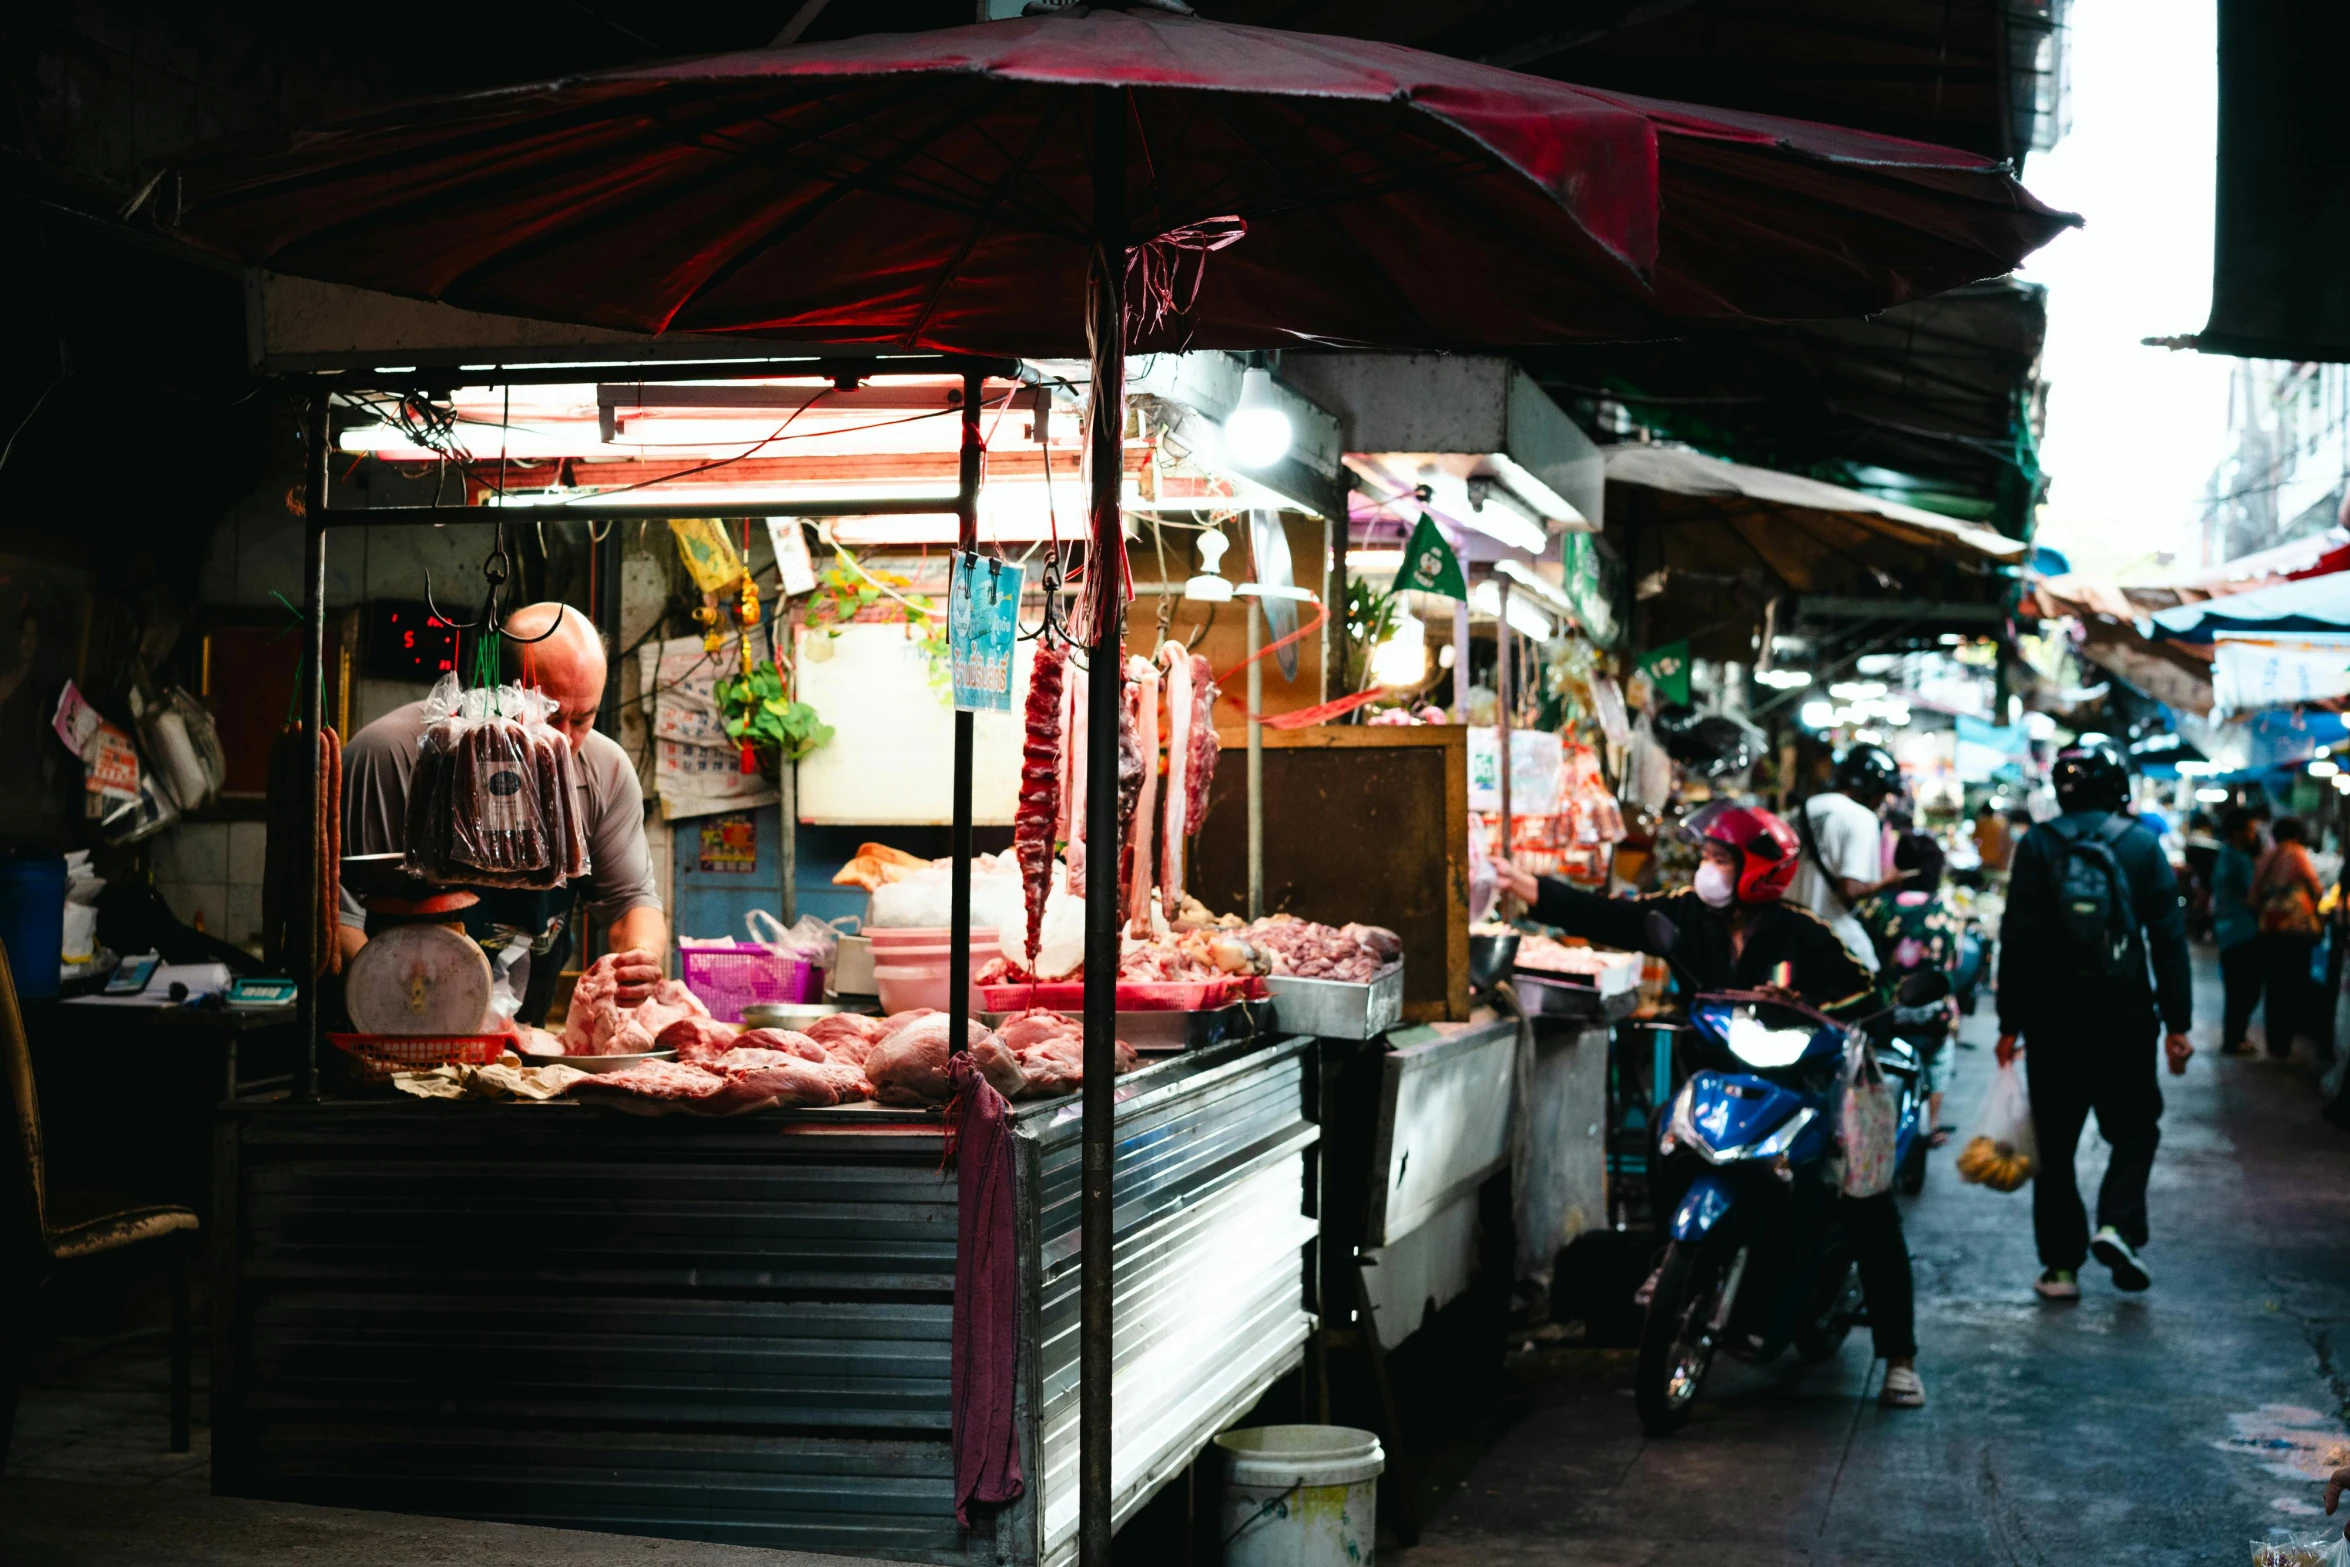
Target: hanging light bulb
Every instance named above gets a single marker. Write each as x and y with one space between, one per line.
1402 660
1256 434
1209 586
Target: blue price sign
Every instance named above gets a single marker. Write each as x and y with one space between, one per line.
983 627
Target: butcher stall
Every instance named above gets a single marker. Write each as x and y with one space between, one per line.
739 1329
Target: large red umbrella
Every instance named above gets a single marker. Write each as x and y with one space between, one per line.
935 190
1107 182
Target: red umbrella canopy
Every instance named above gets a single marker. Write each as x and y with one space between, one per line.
934 191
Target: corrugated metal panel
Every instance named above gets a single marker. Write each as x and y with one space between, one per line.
551 1315
1209 1308
733 1331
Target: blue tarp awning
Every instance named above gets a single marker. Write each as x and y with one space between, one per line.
2315 604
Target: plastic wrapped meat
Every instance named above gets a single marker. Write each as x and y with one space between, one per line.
909 1067
848 1036
493 800
598 1025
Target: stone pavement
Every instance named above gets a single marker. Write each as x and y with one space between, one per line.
2164 1428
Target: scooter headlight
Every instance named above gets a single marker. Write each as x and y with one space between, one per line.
1681 1125
1782 1139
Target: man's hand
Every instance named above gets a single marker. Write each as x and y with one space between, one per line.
1520 884
2175 1047
637 972
2008 1049
2334 1489
1780 994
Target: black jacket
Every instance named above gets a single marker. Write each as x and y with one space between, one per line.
1825 974
2034 984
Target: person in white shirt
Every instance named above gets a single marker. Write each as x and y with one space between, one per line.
1843 846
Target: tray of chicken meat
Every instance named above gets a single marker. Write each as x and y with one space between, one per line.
1553 979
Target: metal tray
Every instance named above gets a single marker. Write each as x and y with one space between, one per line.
1557 996
1339 1009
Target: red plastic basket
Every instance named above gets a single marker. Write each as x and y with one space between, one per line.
744 974
379 1056
1133 995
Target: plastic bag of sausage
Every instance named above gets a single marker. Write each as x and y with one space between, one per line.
493 801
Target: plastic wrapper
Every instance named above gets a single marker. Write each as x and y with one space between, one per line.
1866 1125
2002 1152
2289 1548
493 801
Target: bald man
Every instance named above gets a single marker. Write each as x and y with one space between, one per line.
568 665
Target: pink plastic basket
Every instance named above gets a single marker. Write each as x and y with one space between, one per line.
731 978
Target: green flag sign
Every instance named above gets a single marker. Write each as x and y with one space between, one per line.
1667 669
1429 565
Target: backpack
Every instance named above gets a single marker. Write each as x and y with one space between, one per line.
2096 921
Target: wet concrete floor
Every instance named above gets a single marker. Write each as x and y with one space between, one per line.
2169 1427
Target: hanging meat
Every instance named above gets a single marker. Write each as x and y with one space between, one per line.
1039 811
1073 755
1176 824
1135 884
1205 747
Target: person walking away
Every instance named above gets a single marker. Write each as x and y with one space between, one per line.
2091 903
2236 928
2286 892
1914 934
1841 833
1991 840
1735 930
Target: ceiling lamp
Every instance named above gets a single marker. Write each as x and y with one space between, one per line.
1257 434
1209 586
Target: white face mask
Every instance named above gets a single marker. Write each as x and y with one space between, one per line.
1715 885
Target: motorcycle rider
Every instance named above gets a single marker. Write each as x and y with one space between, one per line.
1734 930
1841 830
2082 1001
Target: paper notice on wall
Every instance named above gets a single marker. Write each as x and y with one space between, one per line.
697 769
1538 765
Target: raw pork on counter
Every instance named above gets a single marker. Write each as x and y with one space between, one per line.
909 1066
696 1040
848 1036
598 1025
1050 1049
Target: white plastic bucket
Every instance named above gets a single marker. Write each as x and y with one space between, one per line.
1300 1496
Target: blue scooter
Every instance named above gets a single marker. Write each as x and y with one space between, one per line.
1756 1264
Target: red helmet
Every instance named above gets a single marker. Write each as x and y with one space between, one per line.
1768 850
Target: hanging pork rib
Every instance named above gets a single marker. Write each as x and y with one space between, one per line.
1205 747
1175 825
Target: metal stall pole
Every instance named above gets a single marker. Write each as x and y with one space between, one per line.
1501 720
959 874
1105 700
314 471
1256 761
1460 661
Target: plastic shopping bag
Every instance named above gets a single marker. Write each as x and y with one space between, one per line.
1868 1124
2002 1153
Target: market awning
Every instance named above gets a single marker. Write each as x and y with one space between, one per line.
2313 604
1712 545
1795 525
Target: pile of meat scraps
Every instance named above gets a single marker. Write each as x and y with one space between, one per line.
1355 953
598 1025
1036 1055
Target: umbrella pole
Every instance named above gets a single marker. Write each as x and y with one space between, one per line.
1105 696
959 873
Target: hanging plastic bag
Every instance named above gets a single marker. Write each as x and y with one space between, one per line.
2002 1152
1869 1114
493 800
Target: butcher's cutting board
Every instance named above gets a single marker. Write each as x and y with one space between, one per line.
419 979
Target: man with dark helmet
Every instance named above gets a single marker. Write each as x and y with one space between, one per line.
2091 903
1842 832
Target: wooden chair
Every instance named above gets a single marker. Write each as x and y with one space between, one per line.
45 1233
